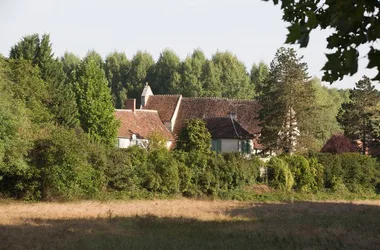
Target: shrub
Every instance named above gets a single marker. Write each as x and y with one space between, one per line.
243 171
279 174
194 136
126 168
65 166
162 172
332 168
317 171
350 171
302 173
360 172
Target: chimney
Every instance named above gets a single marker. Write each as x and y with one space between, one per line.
232 115
130 104
147 91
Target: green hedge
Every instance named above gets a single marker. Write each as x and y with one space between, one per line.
348 172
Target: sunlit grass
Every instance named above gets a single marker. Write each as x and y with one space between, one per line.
189 224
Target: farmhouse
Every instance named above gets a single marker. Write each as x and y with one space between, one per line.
136 126
233 124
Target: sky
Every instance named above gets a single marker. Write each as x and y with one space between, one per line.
251 29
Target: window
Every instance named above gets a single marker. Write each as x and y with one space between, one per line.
216 145
245 147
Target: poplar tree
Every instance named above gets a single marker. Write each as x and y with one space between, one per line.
141 66
165 76
117 68
210 81
232 76
191 71
259 73
96 112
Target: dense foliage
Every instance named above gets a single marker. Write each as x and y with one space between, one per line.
353 23
359 116
57 126
288 99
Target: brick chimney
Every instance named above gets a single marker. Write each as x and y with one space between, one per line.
130 104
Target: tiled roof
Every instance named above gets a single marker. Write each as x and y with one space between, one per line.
225 127
246 111
141 123
164 104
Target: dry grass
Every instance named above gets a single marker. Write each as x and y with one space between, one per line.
189 224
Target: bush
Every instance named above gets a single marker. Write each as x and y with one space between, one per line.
302 173
350 171
332 168
162 172
126 168
65 165
194 136
360 172
317 171
279 174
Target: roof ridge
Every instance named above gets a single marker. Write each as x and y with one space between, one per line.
218 98
147 110
168 95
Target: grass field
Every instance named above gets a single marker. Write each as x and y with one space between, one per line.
189 224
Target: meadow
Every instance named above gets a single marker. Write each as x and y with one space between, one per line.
190 224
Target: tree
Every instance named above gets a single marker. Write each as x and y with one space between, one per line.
28 88
194 137
61 102
94 56
259 74
210 81
353 24
166 76
356 116
26 49
117 68
14 128
232 76
70 63
141 65
321 122
339 144
96 112
191 71
286 99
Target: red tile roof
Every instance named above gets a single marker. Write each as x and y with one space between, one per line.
141 123
164 104
225 127
246 111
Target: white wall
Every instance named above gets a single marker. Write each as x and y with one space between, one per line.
123 142
230 145
174 117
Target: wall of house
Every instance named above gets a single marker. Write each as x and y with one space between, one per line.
174 117
169 144
123 142
230 145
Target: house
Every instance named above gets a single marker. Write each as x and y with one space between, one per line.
233 124
228 136
137 125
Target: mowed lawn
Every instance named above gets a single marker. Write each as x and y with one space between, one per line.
190 224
